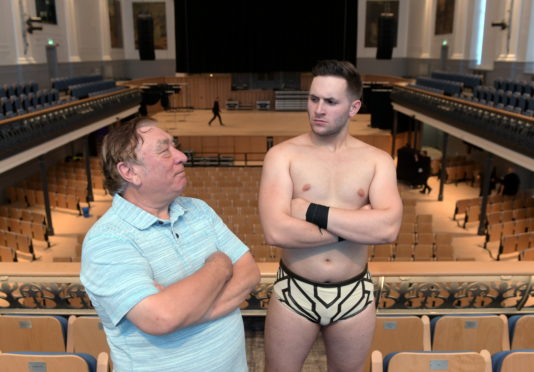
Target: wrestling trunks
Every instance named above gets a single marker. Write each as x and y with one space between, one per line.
323 303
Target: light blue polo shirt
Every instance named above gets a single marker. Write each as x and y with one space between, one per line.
126 251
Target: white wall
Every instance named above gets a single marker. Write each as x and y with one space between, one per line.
81 33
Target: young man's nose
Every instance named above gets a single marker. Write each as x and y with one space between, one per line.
319 107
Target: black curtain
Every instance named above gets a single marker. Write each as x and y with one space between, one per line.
251 36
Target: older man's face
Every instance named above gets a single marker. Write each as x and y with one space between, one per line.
162 166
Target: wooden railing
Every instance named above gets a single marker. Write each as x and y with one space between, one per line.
401 287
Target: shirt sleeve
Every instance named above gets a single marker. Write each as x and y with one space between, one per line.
115 275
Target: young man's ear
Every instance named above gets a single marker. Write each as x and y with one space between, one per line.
127 171
355 107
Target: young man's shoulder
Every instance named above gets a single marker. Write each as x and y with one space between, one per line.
291 144
360 145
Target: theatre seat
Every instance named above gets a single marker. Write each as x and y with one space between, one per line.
41 333
470 333
400 333
53 362
430 361
513 361
521 328
86 335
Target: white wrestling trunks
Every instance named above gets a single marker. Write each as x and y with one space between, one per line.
324 303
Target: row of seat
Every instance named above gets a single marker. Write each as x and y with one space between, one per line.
460 173
469 80
445 333
452 333
517 245
522 199
23 214
31 102
424 237
52 334
427 88
32 197
106 91
502 106
506 97
460 361
449 87
16 89
473 212
412 252
54 362
68 187
35 230
83 90
63 83
511 131
521 86
21 243
508 101
495 230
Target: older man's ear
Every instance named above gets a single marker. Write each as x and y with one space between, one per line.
127 172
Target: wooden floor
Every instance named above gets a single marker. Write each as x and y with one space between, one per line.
251 123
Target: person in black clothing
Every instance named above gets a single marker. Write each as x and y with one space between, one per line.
424 164
510 183
216 112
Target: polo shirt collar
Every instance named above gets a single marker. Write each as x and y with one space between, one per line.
141 219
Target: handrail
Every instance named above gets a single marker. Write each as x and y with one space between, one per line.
268 269
400 288
228 159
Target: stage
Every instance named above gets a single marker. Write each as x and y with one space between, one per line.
252 123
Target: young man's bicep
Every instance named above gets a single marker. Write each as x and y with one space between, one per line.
275 188
383 191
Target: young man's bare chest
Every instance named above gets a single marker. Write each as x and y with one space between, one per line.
335 179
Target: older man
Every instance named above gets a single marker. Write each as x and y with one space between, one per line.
164 273
324 196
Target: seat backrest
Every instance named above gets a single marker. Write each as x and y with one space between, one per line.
444 252
404 252
436 361
470 333
383 252
32 333
86 335
425 238
423 252
527 255
400 333
521 328
513 361
49 362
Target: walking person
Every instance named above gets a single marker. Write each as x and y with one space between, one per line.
216 110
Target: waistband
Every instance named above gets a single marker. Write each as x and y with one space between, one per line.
356 278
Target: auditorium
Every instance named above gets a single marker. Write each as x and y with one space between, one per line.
447 98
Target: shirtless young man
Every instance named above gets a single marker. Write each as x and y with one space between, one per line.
323 283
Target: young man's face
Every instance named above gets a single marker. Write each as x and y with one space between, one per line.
162 166
329 105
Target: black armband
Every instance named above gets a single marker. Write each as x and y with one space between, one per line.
318 215
340 239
